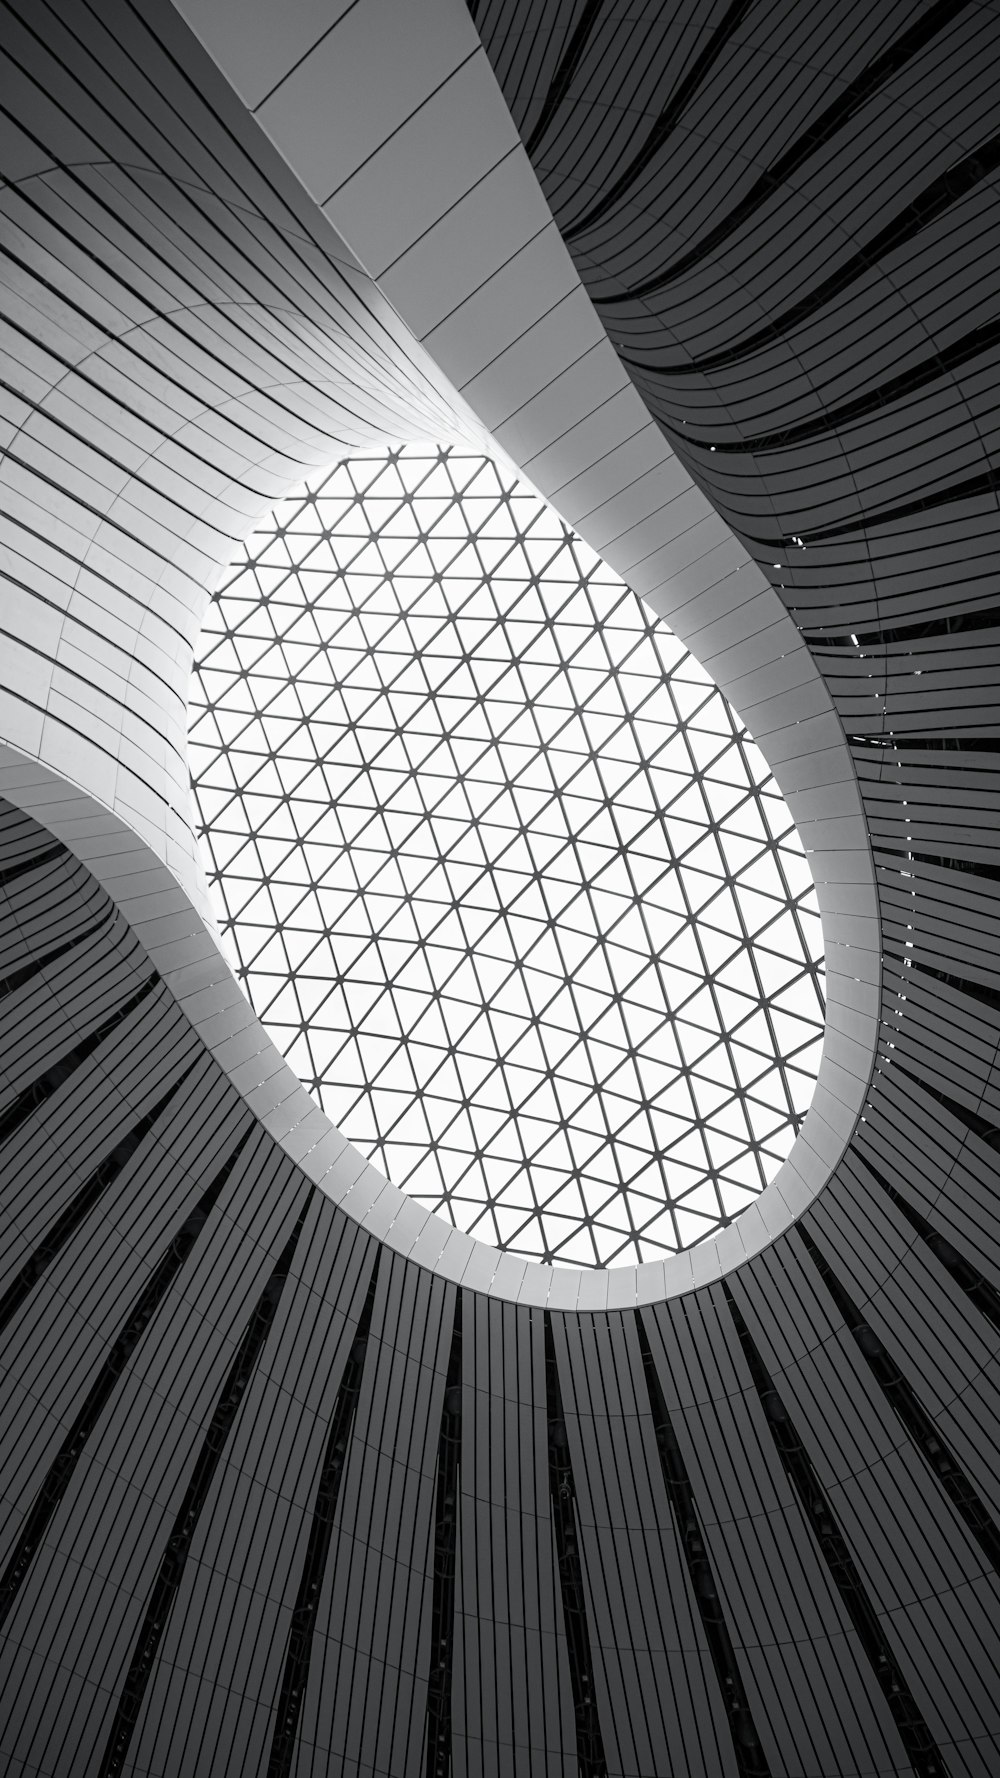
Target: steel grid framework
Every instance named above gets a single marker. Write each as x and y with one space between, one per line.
508 882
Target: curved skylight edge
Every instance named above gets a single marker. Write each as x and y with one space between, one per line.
427 614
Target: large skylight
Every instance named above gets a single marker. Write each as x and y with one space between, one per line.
503 875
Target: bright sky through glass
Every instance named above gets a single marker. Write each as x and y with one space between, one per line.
503 875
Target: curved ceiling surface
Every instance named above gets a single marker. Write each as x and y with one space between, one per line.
298 1479
455 338
508 883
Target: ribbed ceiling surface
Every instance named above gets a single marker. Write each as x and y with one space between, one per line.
282 1499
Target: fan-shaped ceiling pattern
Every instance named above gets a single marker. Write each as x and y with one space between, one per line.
507 881
299 1478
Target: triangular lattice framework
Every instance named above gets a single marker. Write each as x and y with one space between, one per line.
505 878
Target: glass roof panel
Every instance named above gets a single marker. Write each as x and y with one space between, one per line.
499 868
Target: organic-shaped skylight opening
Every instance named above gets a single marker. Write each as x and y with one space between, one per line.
504 876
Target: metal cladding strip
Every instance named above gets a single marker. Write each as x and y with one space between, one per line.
989 996
975 867
591 1758
568 64
171 1568
300 1636
824 129
438 1751
61 1470
870 518
82 1203
507 1610
227 1639
970 345
25 865
365 1702
925 208
985 1128
751 1760
19 978
32 1098
657 1678
919 1744
983 1294
811 1686
925 1434
921 743
669 117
